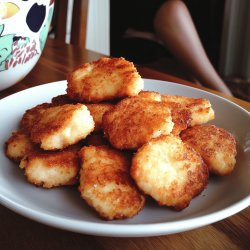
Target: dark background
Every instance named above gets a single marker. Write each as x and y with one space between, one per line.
207 16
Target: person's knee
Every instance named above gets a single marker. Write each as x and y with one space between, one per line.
168 11
174 5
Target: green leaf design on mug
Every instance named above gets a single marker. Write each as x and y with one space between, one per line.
6 43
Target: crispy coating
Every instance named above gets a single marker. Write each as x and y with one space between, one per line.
216 146
201 109
18 146
182 118
104 79
150 96
97 110
50 169
105 183
181 115
61 126
170 171
31 116
133 122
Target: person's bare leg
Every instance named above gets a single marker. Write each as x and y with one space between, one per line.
174 26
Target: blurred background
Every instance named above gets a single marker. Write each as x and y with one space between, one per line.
223 27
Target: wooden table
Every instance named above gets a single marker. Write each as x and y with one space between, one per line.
17 232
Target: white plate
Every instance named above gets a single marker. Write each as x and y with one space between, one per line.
63 208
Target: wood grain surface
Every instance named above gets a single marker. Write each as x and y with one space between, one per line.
18 232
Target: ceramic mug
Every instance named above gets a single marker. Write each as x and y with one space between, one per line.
24 26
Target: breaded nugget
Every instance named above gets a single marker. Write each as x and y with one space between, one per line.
105 183
52 168
18 146
201 109
31 116
104 79
170 171
150 96
184 100
61 126
181 116
216 146
133 122
97 110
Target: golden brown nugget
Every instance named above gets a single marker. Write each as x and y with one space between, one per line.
170 171
201 109
18 146
61 126
150 96
32 115
104 79
97 110
216 146
181 116
105 183
134 122
50 169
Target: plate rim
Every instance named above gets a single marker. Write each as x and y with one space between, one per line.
123 230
